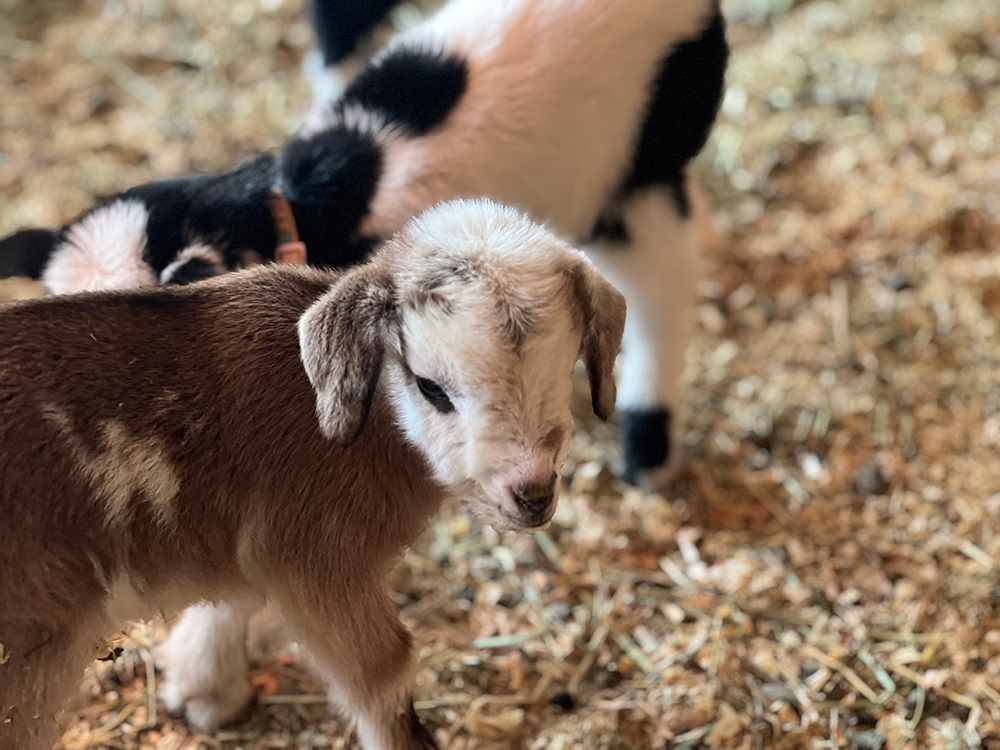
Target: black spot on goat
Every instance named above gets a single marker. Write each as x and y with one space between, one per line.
687 93
413 88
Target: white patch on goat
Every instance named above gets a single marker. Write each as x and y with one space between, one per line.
127 465
511 422
205 663
354 117
327 83
104 250
473 24
204 656
552 110
203 252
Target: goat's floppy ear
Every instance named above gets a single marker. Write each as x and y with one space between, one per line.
342 337
603 325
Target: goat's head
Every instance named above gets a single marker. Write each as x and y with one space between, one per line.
474 316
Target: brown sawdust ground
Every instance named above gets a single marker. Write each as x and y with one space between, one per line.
825 573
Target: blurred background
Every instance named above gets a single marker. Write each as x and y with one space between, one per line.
825 573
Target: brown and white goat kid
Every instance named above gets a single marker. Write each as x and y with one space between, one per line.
282 434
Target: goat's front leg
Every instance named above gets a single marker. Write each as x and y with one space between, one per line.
365 654
654 262
205 661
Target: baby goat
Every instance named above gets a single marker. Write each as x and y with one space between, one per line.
583 114
283 434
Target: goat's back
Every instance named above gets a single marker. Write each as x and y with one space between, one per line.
555 99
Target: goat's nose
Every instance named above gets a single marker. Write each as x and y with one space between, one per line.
535 497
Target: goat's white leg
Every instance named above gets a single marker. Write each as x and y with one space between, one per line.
205 664
655 264
364 653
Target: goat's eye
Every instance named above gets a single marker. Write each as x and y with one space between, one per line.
435 394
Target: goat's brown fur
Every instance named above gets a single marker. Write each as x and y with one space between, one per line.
228 441
209 378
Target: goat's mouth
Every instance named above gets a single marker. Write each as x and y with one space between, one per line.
494 514
535 514
531 522
539 527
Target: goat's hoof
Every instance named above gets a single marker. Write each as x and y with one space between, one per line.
649 446
207 713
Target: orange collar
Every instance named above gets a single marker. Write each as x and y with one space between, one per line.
290 249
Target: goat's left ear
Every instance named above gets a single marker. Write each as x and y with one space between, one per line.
603 325
342 337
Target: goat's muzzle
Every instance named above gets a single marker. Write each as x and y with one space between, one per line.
535 499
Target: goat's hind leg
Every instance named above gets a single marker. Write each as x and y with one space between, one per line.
205 663
365 654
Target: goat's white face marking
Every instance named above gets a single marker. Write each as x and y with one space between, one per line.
104 250
488 315
127 464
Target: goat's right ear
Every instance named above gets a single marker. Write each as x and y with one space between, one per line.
342 337
603 309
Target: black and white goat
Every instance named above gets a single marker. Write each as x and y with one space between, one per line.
584 114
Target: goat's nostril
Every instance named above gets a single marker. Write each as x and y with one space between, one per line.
535 496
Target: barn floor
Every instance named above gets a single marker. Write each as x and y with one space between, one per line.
825 573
